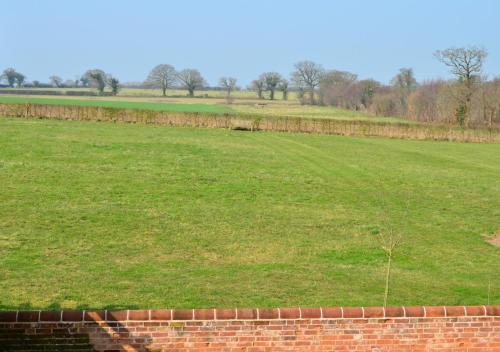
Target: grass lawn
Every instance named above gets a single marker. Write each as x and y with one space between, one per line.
159 106
98 215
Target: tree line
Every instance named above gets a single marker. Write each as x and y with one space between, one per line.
467 99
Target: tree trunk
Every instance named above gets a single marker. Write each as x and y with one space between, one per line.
387 278
272 94
164 89
312 96
191 92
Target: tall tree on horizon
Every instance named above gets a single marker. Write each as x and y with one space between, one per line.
164 76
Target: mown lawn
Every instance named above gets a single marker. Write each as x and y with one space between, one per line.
158 106
100 215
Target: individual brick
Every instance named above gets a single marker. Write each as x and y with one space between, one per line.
352 312
373 312
475 311
268 313
50 316
138 315
204 314
434 311
28 316
8 316
117 315
225 314
161 314
290 313
182 314
246 313
332 312
72 315
394 312
414 312
310 313
95 315
455 311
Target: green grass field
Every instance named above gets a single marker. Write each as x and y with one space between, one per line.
158 106
211 105
146 92
98 215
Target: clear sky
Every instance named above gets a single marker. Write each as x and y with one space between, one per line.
242 38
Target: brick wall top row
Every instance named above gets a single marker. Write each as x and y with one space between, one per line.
247 314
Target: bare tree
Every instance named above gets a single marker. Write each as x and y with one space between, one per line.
389 240
404 83
368 88
271 79
56 81
491 102
283 87
191 80
97 78
339 88
10 75
163 76
229 84
466 64
307 75
258 86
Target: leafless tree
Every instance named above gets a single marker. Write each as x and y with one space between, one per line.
466 64
97 78
307 75
229 84
404 83
271 79
368 88
283 87
389 239
191 80
423 103
339 88
258 86
163 76
491 102
56 81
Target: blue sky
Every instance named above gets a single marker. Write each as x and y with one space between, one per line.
242 38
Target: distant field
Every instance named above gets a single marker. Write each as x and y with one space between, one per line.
159 106
216 105
98 215
140 92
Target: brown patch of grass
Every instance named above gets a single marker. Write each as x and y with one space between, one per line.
494 239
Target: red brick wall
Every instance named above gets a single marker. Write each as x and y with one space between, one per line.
471 328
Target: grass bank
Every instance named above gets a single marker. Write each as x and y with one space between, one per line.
117 215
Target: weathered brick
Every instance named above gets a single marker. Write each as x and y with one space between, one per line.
138 315
225 314
450 330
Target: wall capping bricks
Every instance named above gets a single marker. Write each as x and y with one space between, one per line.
32 316
361 329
